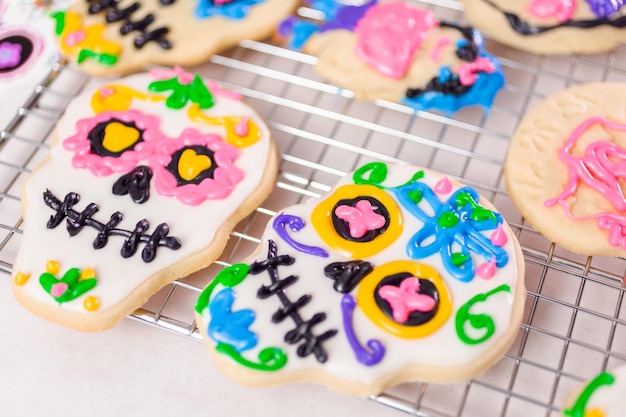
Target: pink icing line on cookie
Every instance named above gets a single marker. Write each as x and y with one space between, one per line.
361 218
389 35
468 72
184 77
406 299
598 169
443 186
75 37
561 10
217 89
435 55
241 128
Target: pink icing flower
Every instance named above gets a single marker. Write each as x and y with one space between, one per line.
468 73
389 35
361 218
224 178
58 289
10 54
85 143
406 299
561 10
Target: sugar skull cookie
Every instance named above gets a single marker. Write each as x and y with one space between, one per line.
147 177
106 37
398 274
395 51
602 396
27 51
564 168
551 26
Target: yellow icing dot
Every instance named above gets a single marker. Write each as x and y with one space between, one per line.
91 303
53 267
190 164
21 278
367 301
118 137
594 412
229 123
86 274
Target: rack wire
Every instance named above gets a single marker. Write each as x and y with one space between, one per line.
574 326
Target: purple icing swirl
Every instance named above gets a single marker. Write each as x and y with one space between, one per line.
295 224
376 350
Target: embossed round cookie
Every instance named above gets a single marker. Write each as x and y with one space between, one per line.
398 274
28 51
564 169
146 179
107 37
551 26
398 52
602 396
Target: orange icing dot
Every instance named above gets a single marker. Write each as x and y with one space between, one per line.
91 303
53 267
87 273
21 278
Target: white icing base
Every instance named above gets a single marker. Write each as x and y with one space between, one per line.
118 277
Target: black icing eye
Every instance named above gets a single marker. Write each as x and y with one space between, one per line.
114 137
360 219
192 164
15 51
415 317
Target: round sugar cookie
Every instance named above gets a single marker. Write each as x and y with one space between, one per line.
399 52
564 168
397 274
146 178
602 396
551 26
115 37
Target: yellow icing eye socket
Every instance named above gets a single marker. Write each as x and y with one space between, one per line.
381 313
358 221
192 165
114 137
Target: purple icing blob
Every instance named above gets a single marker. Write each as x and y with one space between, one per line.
605 8
347 17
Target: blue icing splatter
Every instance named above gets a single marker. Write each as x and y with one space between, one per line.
300 31
231 327
236 9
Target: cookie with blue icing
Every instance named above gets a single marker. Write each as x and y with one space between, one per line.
395 51
106 37
551 26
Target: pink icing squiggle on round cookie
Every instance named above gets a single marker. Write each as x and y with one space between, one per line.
185 78
601 168
389 35
561 10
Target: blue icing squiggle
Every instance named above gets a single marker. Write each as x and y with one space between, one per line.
236 9
231 327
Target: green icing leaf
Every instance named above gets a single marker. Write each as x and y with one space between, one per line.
59 19
75 286
416 196
459 258
373 173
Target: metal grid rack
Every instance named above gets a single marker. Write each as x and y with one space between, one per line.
574 325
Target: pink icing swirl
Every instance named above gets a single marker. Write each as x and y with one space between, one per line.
601 167
389 35
561 10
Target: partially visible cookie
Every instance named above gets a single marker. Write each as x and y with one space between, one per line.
551 26
147 177
602 396
565 169
114 37
397 274
398 52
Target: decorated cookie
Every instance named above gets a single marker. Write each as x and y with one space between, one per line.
603 396
118 36
397 274
147 177
564 169
27 50
398 52
551 26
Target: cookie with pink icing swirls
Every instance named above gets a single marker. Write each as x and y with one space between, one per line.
395 51
115 37
397 274
566 168
147 177
551 26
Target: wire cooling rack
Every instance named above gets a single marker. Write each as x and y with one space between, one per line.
574 325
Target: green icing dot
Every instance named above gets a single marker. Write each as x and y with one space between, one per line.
416 196
448 219
458 258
